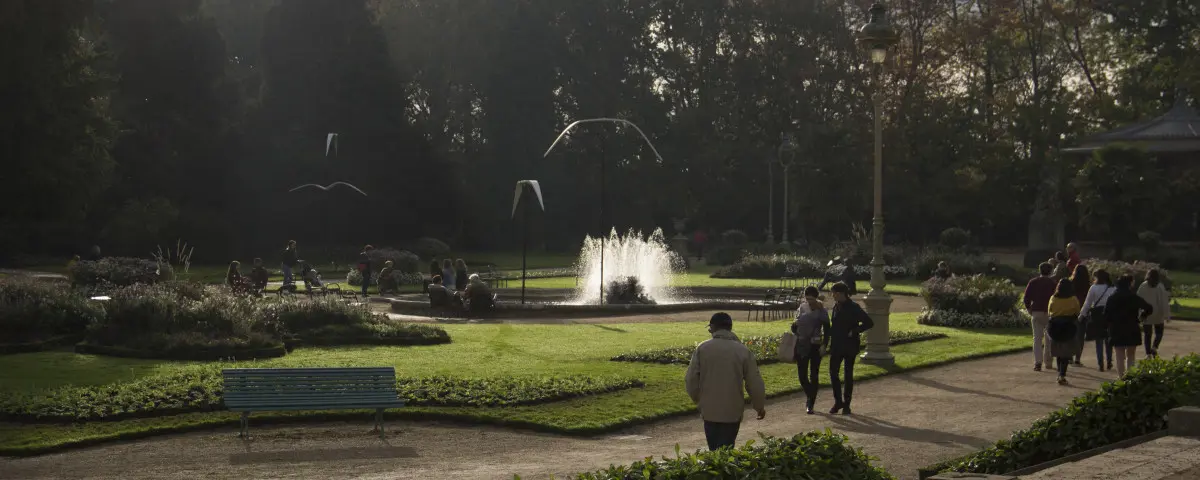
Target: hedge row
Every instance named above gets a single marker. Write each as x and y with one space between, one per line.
764 348
1134 406
956 319
199 388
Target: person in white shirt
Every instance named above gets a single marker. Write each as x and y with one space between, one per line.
1093 314
1155 293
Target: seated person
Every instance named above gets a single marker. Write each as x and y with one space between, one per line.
387 283
312 278
233 276
943 271
478 294
259 276
439 295
847 275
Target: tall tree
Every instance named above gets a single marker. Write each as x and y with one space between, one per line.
56 129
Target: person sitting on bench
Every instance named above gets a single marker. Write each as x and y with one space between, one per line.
312 278
387 283
847 275
478 295
259 276
439 295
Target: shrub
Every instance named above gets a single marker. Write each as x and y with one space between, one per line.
1138 269
354 278
160 321
971 294
627 291
764 348
507 391
200 388
772 267
955 319
33 311
925 262
1134 406
726 255
429 248
120 271
734 238
954 238
330 321
1185 291
402 260
806 455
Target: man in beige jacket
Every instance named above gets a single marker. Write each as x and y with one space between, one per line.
720 369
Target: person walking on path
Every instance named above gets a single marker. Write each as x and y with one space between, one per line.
810 329
1154 293
1081 283
1037 301
1073 259
721 368
1061 268
290 259
1064 316
699 239
849 320
364 266
1096 324
1124 312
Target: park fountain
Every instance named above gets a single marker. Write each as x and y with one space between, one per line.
646 258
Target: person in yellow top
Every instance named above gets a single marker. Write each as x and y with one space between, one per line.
1064 322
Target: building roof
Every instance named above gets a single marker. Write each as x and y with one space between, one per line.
1177 131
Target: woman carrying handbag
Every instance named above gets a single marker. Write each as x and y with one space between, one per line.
1095 321
811 341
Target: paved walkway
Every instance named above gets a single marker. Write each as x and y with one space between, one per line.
907 420
1167 458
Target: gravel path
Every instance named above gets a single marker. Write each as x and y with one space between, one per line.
907 420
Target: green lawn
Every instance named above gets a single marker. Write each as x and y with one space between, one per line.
1188 309
477 351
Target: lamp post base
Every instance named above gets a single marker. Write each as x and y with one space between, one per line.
879 305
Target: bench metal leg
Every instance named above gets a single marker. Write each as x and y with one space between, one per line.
245 424
379 422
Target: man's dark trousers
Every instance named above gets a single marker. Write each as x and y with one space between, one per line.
721 434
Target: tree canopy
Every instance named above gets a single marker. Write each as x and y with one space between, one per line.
135 122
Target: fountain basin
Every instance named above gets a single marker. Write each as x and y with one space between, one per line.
558 303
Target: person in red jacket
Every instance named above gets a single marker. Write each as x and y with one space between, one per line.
699 238
1037 302
1073 259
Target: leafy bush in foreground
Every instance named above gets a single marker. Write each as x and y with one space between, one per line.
812 455
199 388
954 319
1134 406
32 311
971 294
764 348
120 271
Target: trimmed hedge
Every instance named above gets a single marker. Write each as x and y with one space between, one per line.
200 389
955 319
1137 268
971 294
1134 406
764 348
119 271
813 455
772 267
33 312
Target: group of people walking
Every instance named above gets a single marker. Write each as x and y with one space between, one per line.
1070 306
722 367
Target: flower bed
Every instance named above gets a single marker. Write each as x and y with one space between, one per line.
813 455
764 348
956 319
1135 406
119 271
772 267
199 388
34 312
1117 268
971 294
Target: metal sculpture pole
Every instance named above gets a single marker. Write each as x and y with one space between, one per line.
603 224
537 189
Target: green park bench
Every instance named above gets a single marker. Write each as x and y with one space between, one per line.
278 389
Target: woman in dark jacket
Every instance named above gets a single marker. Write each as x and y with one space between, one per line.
1124 311
1081 281
461 280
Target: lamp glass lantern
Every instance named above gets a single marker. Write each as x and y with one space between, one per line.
877 36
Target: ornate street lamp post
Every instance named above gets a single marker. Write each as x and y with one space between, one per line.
877 36
788 146
770 200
